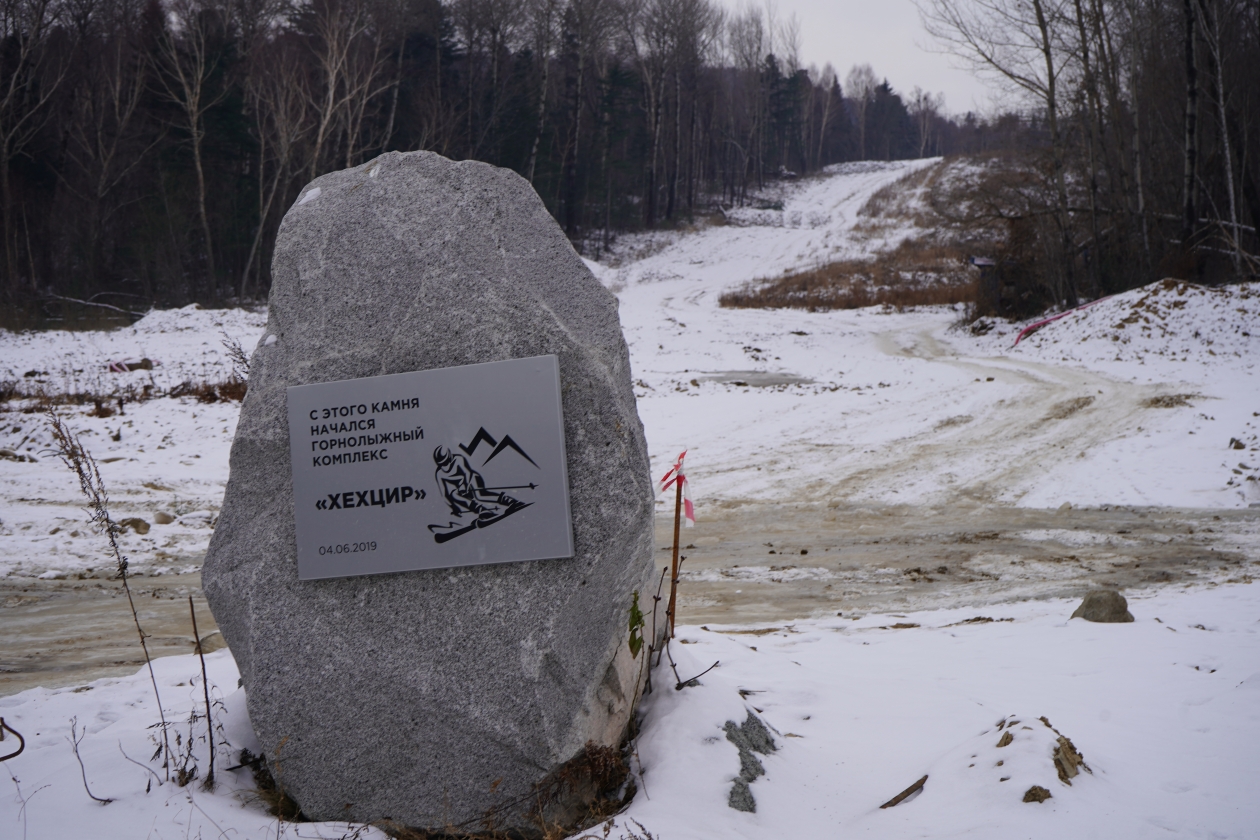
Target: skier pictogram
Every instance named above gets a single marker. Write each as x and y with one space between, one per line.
472 503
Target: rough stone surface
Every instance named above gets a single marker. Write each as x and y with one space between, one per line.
1037 793
433 698
1105 606
749 737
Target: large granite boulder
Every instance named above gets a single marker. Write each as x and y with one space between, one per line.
453 697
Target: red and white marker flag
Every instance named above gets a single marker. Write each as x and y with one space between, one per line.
676 474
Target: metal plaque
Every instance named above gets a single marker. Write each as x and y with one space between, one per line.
431 469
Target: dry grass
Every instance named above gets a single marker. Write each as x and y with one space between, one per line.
1170 401
210 392
893 201
37 398
1064 410
916 273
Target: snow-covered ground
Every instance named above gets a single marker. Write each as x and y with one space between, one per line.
158 456
1165 711
1149 398
891 407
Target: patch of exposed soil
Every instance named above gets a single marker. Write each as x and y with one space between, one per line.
866 558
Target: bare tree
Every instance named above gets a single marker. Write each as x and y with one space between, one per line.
748 42
348 63
282 120
824 82
33 71
1017 42
105 137
861 84
925 108
644 30
189 48
544 19
1210 21
588 23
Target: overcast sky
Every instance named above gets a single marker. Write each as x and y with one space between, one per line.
887 35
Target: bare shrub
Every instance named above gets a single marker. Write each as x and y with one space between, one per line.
79 460
231 390
238 356
268 791
916 273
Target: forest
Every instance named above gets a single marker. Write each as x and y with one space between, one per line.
150 148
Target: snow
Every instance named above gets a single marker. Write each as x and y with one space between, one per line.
1139 400
1166 712
168 455
1162 712
874 405
47 797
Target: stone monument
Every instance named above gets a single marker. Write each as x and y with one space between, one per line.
450 697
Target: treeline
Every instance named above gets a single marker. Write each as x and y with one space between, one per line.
1148 163
149 149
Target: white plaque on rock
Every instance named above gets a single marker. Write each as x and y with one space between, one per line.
430 469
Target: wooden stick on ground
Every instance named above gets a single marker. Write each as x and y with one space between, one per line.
673 578
896 800
208 784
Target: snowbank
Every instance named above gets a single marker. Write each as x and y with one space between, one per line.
184 344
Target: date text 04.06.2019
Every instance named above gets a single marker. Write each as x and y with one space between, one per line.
347 548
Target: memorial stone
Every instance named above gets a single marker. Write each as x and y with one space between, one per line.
455 692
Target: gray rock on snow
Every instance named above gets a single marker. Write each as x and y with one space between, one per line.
434 698
1104 605
749 737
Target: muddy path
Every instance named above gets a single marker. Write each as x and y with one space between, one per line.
748 563
745 563
69 632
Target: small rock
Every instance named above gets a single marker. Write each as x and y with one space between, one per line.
1036 793
136 524
212 641
1067 760
750 736
1235 443
741 798
162 518
1065 506
1106 606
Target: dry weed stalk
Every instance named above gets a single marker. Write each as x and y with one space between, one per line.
238 357
76 456
23 799
74 739
208 784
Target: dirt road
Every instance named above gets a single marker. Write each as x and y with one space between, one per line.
745 563
763 563
833 550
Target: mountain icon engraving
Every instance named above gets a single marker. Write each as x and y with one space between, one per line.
483 436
